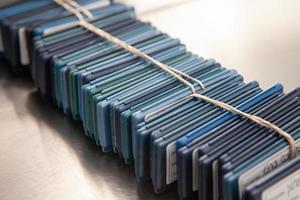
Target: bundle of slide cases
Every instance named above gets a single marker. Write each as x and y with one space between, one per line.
204 151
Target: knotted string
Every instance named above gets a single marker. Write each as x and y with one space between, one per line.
76 9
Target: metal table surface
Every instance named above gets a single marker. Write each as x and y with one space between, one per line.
45 155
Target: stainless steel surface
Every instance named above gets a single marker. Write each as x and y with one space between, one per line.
45 155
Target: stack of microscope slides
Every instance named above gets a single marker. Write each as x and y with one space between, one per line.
208 153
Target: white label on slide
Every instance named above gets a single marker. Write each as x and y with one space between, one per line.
286 189
171 163
24 54
195 170
216 180
264 168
